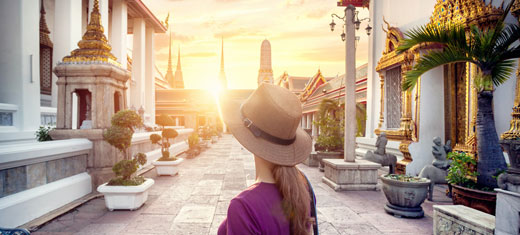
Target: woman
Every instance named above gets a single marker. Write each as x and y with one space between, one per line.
268 125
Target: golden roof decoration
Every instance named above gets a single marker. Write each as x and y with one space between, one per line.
464 12
94 46
44 30
515 9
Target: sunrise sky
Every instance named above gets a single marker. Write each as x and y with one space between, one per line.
301 40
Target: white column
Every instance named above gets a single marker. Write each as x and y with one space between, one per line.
314 127
304 121
309 120
119 32
103 10
138 63
150 75
20 67
66 35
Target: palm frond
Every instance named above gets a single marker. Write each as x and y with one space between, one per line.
509 35
502 71
432 60
454 35
511 53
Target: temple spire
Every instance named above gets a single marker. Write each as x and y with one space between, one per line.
222 75
178 80
93 47
169 73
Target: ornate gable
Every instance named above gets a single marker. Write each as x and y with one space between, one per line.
313 84
465 12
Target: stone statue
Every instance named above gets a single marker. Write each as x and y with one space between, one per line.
437 171
380 156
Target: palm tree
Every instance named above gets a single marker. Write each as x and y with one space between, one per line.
493 52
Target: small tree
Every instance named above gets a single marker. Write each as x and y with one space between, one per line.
120 133
163 139
124 170
330 123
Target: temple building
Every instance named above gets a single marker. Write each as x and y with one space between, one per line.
265 73
193 108
297 84
318 88
443 103
43 32
67 63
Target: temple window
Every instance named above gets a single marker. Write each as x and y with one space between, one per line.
84 109
393 97
117 101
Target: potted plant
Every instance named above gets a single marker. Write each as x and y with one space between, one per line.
464 188
330 139
206 135
125 191
493 58
405 194
193 143
214 135
166 164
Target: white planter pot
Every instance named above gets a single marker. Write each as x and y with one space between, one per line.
125 197
167 167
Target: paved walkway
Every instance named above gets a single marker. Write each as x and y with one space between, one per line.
196 200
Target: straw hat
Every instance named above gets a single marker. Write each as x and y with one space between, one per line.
267 123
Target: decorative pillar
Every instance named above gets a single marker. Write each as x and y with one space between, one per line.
309 121
138 63
119 31
149 86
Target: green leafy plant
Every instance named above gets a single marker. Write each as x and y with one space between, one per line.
163 140
120 133
206 132
42 134
493 51
405 178
193 140
331 123
460 171
124 170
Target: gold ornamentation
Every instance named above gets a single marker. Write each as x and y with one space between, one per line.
94 46
44 30
466 12
515 9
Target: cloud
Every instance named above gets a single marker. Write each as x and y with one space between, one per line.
162 40
293 3
317 13
200 54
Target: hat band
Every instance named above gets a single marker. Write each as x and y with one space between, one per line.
266 136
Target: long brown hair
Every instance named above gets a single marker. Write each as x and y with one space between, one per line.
296 199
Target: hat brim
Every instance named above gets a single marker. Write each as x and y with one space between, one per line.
285 155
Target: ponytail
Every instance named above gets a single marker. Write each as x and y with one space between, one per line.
296 199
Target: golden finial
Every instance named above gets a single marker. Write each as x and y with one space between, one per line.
93 47
387 25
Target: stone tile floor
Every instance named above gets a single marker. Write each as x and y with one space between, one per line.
196 200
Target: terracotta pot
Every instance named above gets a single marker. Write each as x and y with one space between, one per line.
327 155
405 198
476 199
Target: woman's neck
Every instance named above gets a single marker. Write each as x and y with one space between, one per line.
264 171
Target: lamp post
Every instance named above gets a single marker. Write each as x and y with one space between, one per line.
351 23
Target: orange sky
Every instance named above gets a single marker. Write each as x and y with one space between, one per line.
298 30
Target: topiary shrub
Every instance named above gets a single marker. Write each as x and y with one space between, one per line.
124 170
119 135
163 140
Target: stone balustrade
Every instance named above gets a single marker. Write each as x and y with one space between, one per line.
459 219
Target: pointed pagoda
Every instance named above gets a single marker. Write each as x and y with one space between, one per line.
169 73
222 74
178 81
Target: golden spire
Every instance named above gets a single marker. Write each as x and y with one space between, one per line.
94 46
44 30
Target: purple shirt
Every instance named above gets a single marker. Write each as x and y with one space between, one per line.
256 210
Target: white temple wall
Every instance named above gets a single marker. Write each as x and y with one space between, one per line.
19 68
431 120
